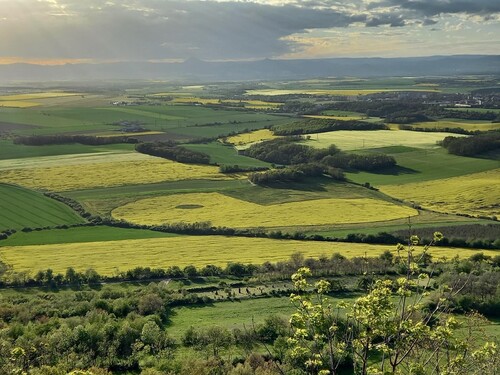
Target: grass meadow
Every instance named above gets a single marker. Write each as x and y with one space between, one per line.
109 257
21 208
366 139
80 235
179 119
9 150
418 165
225 211
223 154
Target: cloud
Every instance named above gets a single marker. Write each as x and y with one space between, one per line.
437 7
124 30
392 20
156 29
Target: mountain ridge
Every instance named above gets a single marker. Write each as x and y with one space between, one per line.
196 69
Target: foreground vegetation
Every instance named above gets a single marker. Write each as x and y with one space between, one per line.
201 320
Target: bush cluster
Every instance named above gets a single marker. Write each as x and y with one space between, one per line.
171 151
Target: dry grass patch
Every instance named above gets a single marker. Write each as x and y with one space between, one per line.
226 211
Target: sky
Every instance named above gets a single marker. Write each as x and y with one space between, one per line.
66 31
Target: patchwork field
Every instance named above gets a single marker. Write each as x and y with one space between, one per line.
250 104
226 211
72 172
476 194
355 140
108 257
107 119
21 208
332 92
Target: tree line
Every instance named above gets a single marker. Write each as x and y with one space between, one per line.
58 139
304 161
324 125
474 145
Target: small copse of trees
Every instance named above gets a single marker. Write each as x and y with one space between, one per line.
172 151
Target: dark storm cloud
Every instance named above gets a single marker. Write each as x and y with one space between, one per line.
168 29
436 7
154 29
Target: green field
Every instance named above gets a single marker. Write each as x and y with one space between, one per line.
222 154
92 120
80 235
232 314
21 208
366 139
9 150
423 165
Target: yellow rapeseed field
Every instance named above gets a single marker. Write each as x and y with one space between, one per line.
251 137
476 194
341 118
273 92
17 104
109 257
467 125
70 172
37 95
222 210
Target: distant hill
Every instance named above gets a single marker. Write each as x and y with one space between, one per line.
195 69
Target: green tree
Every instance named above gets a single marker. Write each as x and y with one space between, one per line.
391 326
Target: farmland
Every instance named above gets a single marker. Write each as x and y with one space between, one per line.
22 208
475 194
226 211
242 140
469 125
332 92
355 140
108 257
92 170
416 165
144 248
